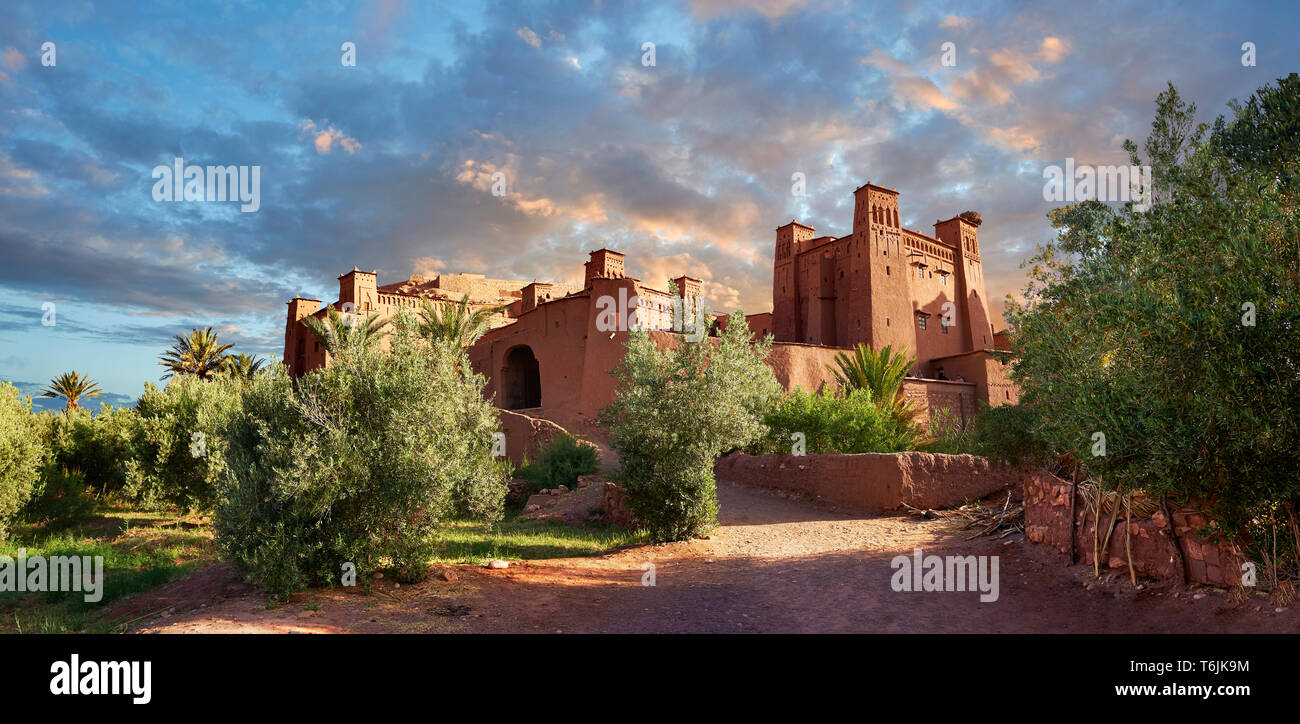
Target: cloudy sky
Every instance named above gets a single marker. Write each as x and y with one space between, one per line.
685 165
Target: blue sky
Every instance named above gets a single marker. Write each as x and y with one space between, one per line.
685 165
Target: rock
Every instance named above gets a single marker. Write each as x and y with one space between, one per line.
1198 596
562 489
497 563
377 575
1159 519
448 575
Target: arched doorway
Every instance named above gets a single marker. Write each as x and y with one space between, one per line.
523 382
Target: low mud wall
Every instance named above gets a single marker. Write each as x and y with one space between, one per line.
1047 520
527 435
873 482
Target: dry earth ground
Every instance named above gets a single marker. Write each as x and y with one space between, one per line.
773 565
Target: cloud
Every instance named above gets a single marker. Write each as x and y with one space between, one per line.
529 37
13 59
1053 49
327 136
772 9
685 166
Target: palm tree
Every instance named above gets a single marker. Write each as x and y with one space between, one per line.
337 333
73 387
243 366
455 321
197 353
881 372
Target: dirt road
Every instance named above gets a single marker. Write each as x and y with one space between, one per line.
773 565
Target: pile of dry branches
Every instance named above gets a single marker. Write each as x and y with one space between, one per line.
984 521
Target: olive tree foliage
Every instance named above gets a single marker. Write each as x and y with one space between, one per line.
676 409
21 454
179 451
1160 347
354 469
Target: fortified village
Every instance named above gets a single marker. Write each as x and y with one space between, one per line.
548 357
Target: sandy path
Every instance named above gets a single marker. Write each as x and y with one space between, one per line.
774 565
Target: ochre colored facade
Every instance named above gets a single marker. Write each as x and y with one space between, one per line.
551 351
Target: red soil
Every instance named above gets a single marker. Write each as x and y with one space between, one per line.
774 565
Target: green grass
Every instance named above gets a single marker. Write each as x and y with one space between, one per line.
466 541
141 550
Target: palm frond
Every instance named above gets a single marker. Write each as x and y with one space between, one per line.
198 353
455 321
338 333
243 366
73 387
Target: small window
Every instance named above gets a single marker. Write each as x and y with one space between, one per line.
943 280
943 326
886 271
920 273
920 323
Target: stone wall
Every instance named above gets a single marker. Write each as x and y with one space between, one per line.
872 482
1047 520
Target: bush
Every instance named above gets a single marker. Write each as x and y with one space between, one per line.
100 446
831 423
1173 331
357 466
181 450
21 454
560 463
674 411
58 499
1006 434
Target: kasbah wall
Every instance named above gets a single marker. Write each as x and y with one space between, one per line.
882 284
1151 539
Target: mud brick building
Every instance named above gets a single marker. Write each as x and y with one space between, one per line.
547 354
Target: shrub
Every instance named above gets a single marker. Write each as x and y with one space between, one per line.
560 463
881 372
1005 434
850 423
100 446
58 499
21 454
675 410
358 465
1009 434
1172 331
181 449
